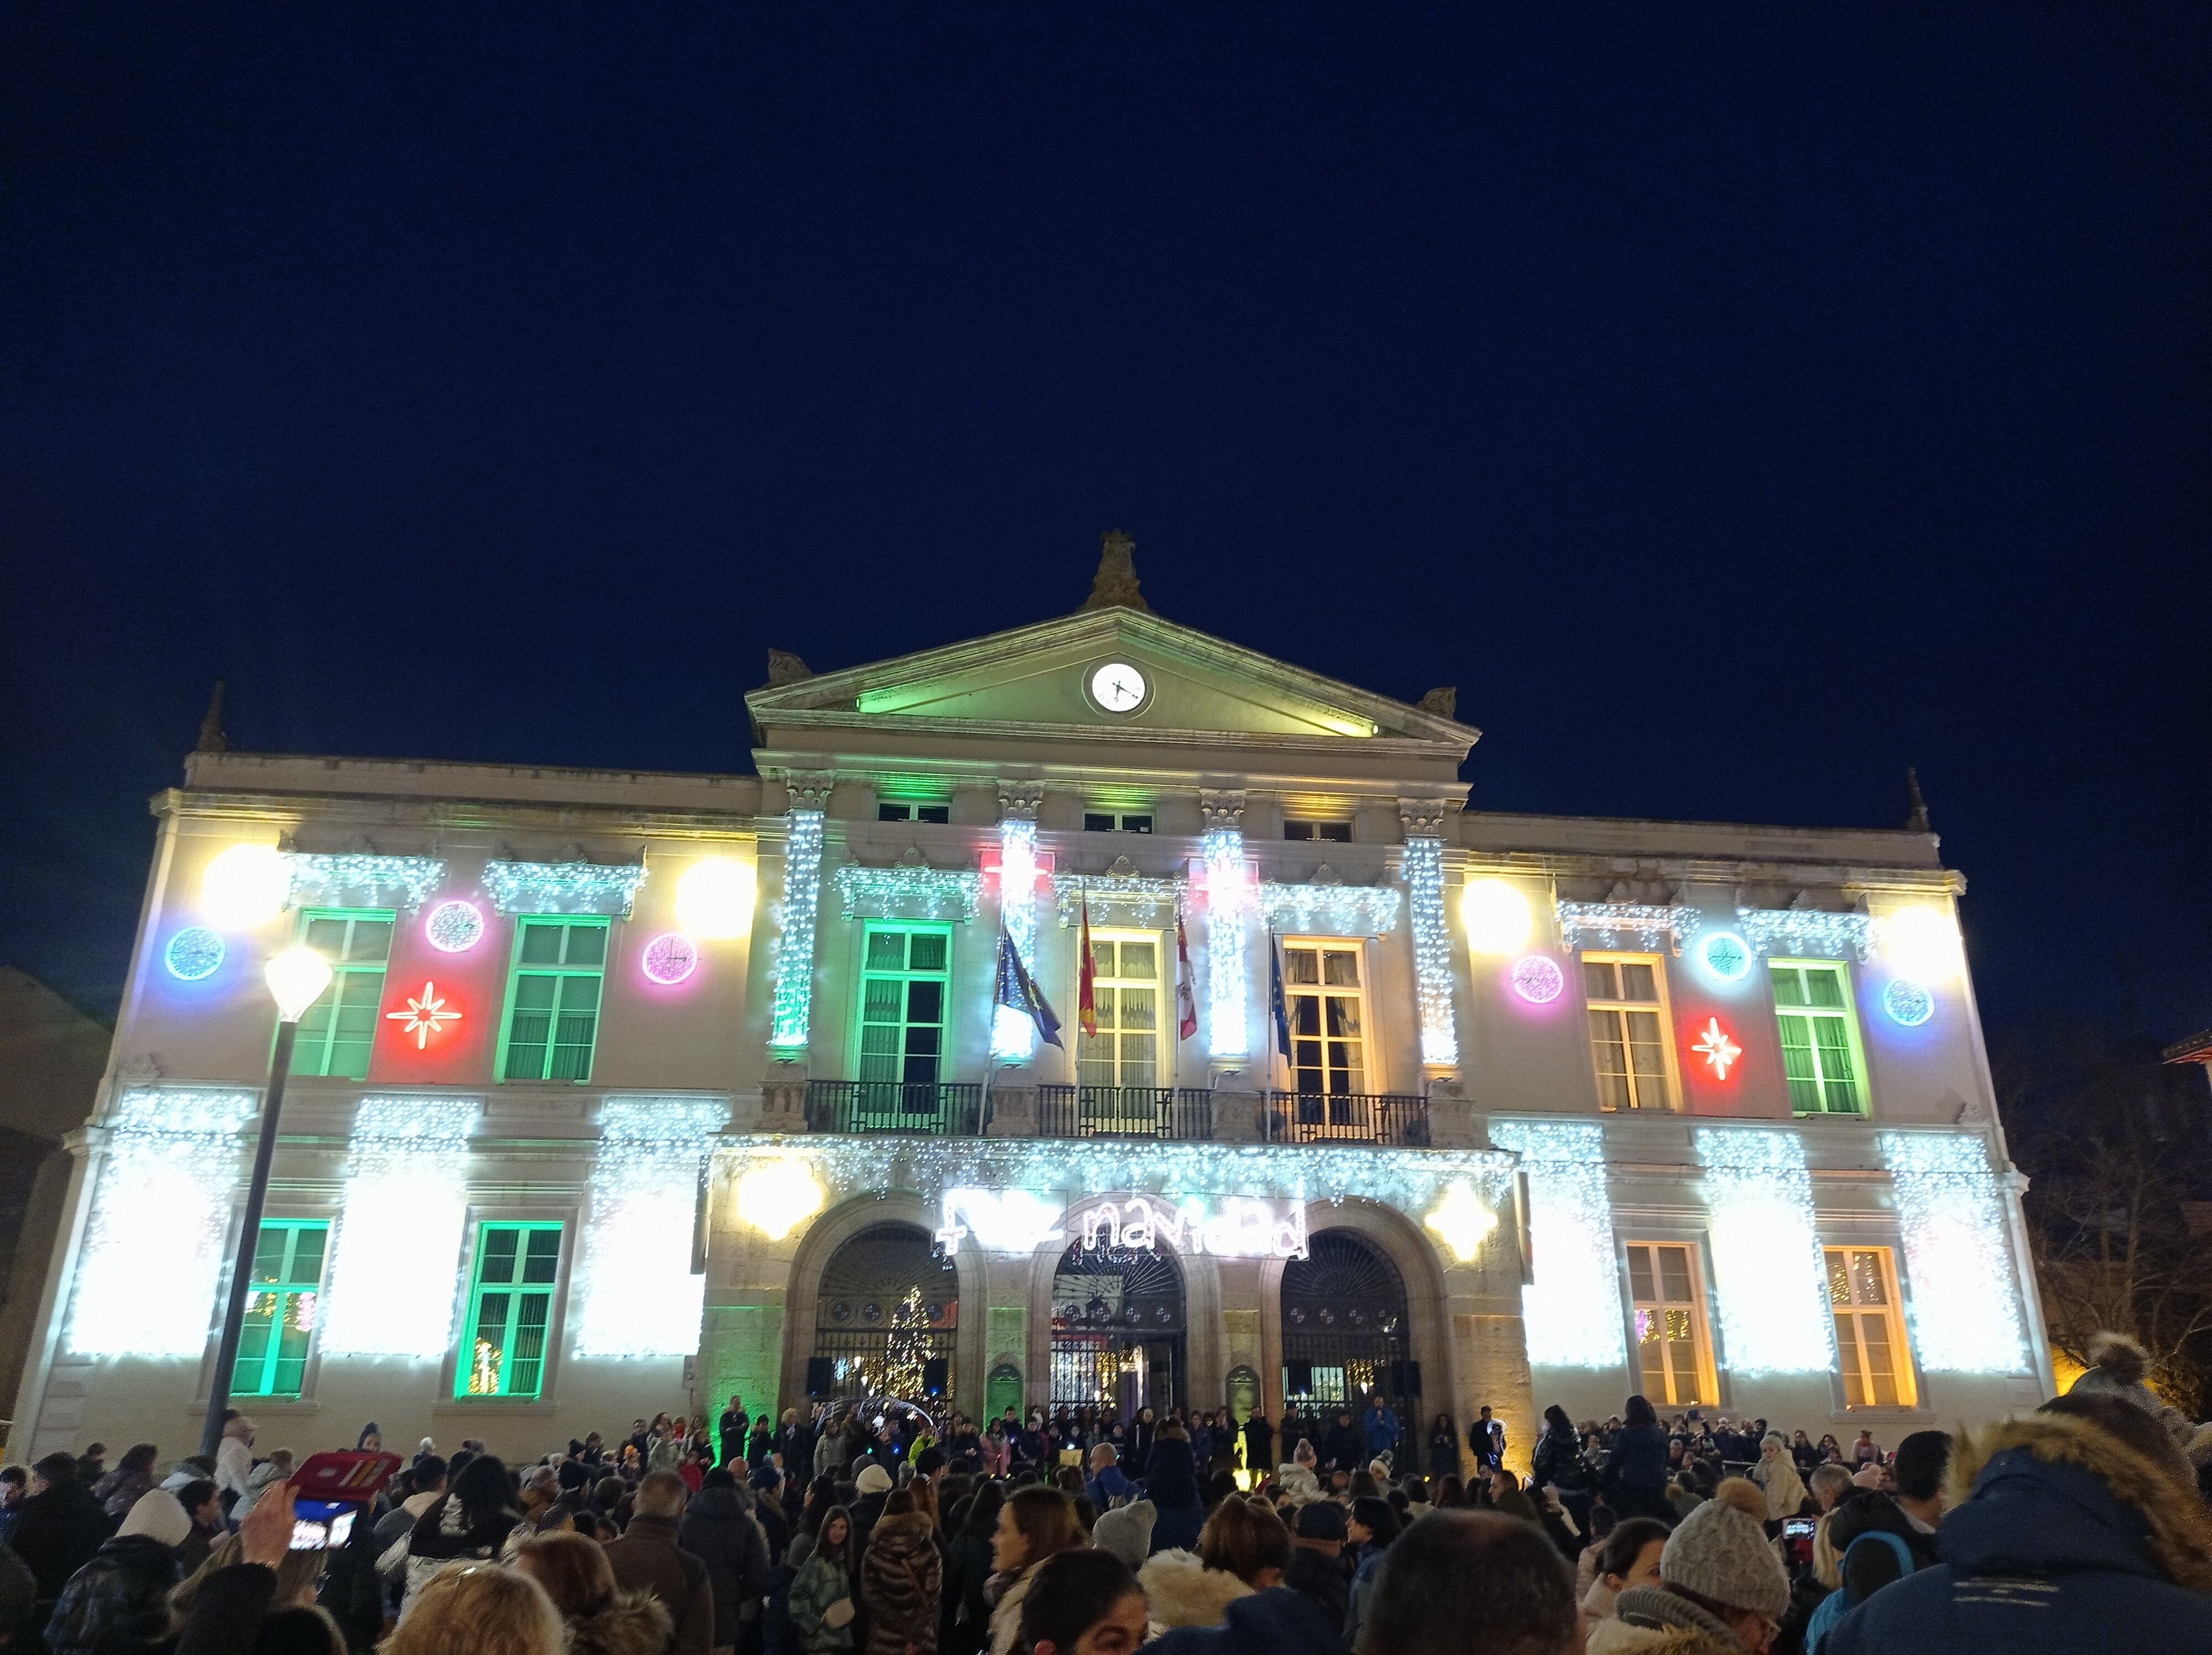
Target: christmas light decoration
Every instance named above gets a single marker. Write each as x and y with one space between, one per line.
193 953
1608 922
1228 900
635 1294
1001 1220
1340 910
454 927
1538 979
1772 1277
1243 1228
1790 931
393 1274
1908 1003
1116 898
669 958
1460 1221
1496 916
791 965
906 1353
714 897
155 1241
1964 1289
1921 943
564 887
427 1014
1013 1034
1571 1311
907 893
1727 956
776 1197
358 880
1433 964
245 887
1719 1051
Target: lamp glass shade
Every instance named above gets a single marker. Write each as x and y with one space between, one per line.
296 979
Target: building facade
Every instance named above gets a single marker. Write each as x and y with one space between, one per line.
634 1090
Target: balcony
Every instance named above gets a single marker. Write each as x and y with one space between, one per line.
1351 1117
930 1108
1181 1113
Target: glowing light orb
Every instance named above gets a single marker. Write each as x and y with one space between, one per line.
669 957
193 953
1726 955
1538 979
1921 943
1719 1051
776 1197
427 1014
1460 1221
454 927
1495 917
714 897
245 887
1907 1002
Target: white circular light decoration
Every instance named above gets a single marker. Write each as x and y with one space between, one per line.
1907 1002
1921 943
1496 916
669 957
1726 955
245 887
714 897
1118 687
454 927
1538 979
194 953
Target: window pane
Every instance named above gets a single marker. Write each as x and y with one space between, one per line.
327 937
1824 988
1300 965
928 951
500 1247
1335 832
1093 822
1847 1349
308 1253
925 1002
1137 1008
544 1256
1342 967
1136 824
587 945
269 1247
541 944
1598 980
938 814
1305 1014
1297 829
1647 1054
1344 1017
1839 1278
1675 1273
886 950
1867 1284
1789 986
372 941
1639 1274
1138 1068
1138 960
1611 1056
1797 1063
880 998
1637 982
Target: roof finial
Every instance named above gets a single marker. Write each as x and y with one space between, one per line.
212 739
1915 816
1115 587
784 667
1443 702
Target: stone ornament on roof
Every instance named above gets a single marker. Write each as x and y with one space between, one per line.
1114 586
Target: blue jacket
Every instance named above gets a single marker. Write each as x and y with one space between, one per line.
1109 1485
1277 1621
1382 1432
2069 1540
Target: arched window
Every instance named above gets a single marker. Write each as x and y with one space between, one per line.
888 1307
1117 1329
1345 1329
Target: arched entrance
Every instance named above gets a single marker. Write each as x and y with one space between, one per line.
1118 1330
886 1317
1345 1328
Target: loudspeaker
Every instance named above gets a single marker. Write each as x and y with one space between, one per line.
1299 1378
818 1376
1412 1380
933 1374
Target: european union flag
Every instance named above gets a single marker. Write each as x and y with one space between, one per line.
1275 998
1018 989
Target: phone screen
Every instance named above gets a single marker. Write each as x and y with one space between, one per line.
321 1525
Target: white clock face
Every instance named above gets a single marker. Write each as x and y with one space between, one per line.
1117 687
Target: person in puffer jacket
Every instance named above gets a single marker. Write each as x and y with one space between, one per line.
120 1599
719 1527
901 1579
472 1520
2075 1527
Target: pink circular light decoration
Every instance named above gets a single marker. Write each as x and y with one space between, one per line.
669 957
1538 979
454 927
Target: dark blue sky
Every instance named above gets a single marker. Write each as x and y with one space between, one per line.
1736 406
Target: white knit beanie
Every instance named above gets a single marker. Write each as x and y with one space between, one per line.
158 1515
1721 1553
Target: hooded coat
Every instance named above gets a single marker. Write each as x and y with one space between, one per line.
57 1531
1181 1591
1649 1620
634 1624
900 1576
118 1599
2060 1536
1277 1621
719 1529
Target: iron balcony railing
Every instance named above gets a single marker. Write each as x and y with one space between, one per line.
1376 1117
939 1109
1177 1113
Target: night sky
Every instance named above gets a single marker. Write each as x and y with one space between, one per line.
1737 407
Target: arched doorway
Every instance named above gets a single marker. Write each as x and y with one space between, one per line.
886 1317
1347 1329
1118 1330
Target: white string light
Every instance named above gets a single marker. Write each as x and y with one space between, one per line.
1332 910
1767 1261
1014 1032
1570 1312
358 877
1432 972
1227 899
634 1291
908 893
1609 922
608 888
791 963
1790 931
1965 1292
393 1271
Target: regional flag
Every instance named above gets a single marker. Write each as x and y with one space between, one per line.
1086 983
1186 1006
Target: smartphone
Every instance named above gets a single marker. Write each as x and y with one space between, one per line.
322 1524
1799 1527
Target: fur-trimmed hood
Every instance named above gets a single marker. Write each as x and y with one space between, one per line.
2047 1490
1667 1625
635 1623
1181 1591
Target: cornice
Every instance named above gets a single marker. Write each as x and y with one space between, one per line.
1115 735
463 814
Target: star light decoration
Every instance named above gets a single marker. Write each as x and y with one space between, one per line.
427 1014
1716 1048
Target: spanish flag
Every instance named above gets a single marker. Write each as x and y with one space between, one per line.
1086 981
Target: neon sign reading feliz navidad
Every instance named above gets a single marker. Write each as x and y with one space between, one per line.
1014 1221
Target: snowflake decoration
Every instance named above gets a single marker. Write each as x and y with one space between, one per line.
1907 1002
1537 978
426 1014
1727 956
669 957
194 953
454 927
1716 1048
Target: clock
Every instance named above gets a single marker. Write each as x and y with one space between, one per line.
1118 687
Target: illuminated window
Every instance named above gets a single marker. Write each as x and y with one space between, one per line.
1117 821
1671 1347
339 1028
553 1000
1125 1052
280 1311
1328 1005
1869 1334
1626 994
1335 832
902 810
904 973
510 1311
1820 1053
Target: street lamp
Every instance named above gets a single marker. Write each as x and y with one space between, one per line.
297 979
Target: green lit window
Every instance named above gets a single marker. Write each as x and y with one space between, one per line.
553 1002
907 810
510 1311
1820 1054
281 1310
339 1028
904 973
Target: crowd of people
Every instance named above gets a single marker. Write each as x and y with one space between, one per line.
874 1530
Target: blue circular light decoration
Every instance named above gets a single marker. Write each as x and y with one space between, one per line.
194 953
1726 955
1907 1002
454 926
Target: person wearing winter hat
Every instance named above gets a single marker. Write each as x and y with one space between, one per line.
158 1515
1126 1532
2117 1366
1723 1591
873 1486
